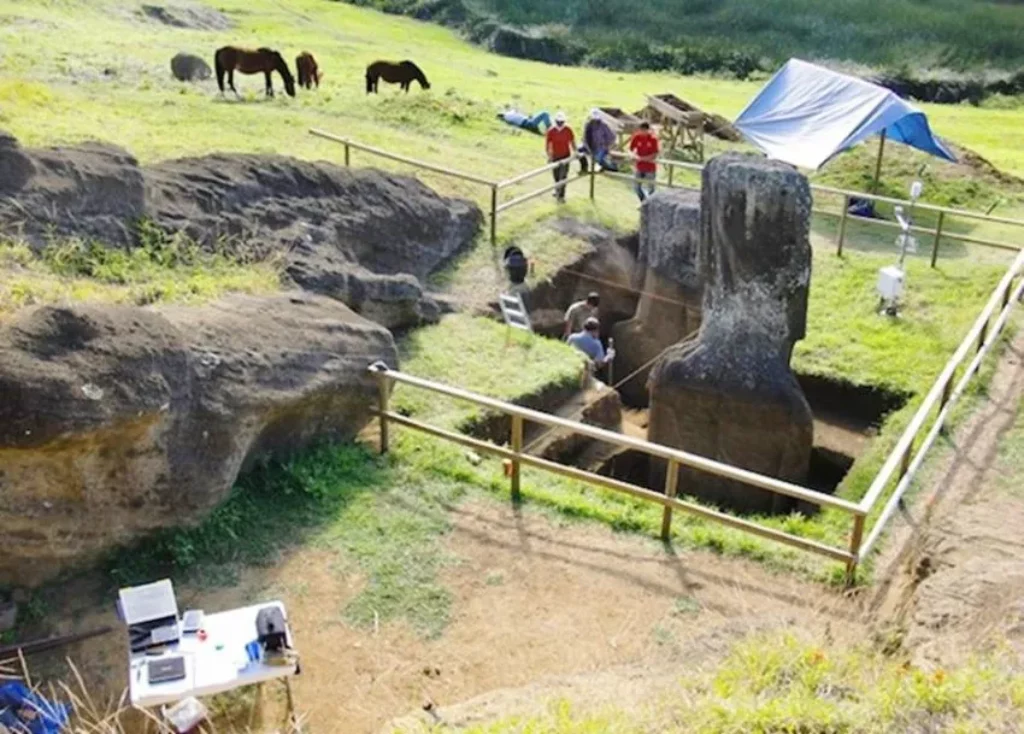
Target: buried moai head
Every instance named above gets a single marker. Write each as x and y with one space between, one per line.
755 252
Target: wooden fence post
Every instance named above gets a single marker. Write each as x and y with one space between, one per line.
593 176
347 154
517 447
947 391
383 385
855 540
494 214
671 170
982 335
905 460
671 488
938 236
842 224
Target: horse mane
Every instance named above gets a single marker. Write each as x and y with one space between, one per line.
279 63
417 71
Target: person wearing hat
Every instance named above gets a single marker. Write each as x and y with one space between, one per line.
645 147
560 144
598 139
578 313
588 341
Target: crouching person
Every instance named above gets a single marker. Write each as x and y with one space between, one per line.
588 341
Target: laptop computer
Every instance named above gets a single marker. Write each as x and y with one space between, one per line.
151 613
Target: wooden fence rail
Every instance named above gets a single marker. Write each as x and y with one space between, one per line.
675 458
497 207
983 335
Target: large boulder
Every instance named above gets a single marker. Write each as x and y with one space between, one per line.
729 395
364 237
361 236
92 190
190 68
671 289
119 420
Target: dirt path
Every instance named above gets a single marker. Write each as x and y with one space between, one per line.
956 583
535 599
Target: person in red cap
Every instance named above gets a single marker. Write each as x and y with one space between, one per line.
561 144
645 147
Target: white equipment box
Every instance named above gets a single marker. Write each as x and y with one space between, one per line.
890 283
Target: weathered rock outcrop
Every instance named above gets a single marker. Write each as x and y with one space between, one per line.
116 420
730 395
671 289
190 68
361 236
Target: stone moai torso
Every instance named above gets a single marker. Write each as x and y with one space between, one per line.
729 395
669 280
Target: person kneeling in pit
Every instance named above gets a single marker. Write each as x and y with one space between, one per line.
588 341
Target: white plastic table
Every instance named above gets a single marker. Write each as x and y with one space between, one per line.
215 665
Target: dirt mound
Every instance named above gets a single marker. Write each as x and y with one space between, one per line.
983 166
361 236
953 579
190 16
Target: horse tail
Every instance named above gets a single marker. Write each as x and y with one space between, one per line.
219 65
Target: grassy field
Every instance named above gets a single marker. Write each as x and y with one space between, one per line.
96 69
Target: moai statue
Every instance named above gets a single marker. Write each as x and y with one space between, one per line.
729 395
669 280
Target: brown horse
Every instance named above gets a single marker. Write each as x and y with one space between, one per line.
306 70
404 73
230 59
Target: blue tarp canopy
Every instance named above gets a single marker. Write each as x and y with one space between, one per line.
807 114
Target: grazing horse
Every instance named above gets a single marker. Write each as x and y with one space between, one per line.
404 73
306 70
230 59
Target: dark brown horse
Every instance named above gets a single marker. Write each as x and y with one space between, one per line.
230 59
307 71
404 73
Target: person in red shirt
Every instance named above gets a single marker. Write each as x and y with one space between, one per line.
560 143
645 147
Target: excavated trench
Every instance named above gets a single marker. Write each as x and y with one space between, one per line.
846 416
846 420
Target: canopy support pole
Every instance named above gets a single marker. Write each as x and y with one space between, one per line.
878 163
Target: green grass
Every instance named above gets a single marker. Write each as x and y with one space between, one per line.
53 88
161 270
781 682
384 519
479 355
848 340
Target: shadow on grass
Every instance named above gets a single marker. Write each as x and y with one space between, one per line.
272 508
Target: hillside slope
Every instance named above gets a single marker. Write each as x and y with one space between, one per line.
740 36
